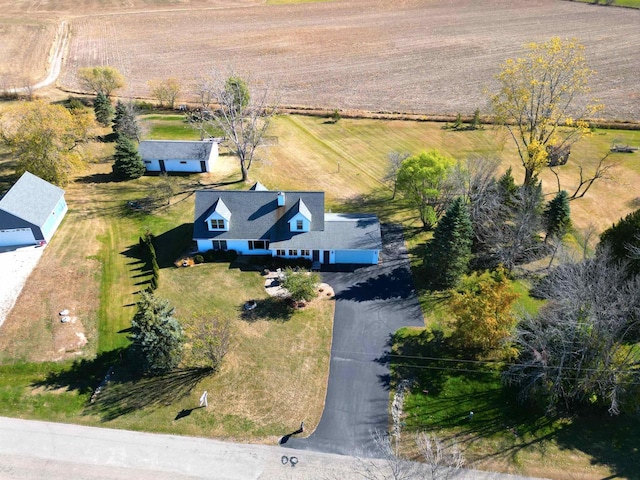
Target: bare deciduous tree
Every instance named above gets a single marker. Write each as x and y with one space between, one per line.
603 171
391 177
437 460
581 349
507 231
210 341
242 115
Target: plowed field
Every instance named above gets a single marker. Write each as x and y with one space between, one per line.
434 56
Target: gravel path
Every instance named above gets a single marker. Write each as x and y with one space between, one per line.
15 267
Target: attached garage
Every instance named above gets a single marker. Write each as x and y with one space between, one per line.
368 257
17 236
30 212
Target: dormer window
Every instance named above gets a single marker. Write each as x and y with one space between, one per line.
301 218
216 224
220 217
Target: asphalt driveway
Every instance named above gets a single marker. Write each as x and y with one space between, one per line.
371 304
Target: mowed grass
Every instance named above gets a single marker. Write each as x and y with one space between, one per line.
272 378
503 434
167 127
101 232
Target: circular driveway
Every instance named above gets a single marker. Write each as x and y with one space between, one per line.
371 304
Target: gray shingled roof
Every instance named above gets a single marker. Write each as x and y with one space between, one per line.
341 232
255 214
175 150
31 199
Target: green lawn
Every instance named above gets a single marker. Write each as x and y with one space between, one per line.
503 434
264 388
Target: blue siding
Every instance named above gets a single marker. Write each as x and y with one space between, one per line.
51 224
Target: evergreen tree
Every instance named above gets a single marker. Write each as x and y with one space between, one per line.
128 163
557 216
124 120
507 187
103 109
623 241
449 252
157 337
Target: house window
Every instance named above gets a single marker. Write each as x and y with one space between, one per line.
293 253
281 253
299 225
304 253
183 162
217 224
258 244
219 244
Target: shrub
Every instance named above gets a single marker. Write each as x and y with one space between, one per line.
301 285
198 259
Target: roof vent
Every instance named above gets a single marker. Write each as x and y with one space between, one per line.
281 199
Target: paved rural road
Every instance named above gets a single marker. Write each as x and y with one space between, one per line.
371 304
32 450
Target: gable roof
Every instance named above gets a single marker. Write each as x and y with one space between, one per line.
256 214
259 187
301 208
32 199
175 149
222 210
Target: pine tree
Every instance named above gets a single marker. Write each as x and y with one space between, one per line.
623 241
449 252
157 337
557 216
124 120
103 109
128 163
507 187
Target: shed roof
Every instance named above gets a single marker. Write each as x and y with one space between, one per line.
175 149
32 199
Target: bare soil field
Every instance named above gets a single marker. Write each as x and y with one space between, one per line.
407 56
25 49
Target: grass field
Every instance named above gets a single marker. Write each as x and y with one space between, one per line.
90 267
503 434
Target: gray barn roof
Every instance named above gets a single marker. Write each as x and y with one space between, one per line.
175 150
255 214
31 199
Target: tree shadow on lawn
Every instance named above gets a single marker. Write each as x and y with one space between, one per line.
124 395
126 391
169 246
84 375
405 356
270 308
445 389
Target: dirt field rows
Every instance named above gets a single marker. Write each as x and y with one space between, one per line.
410 55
